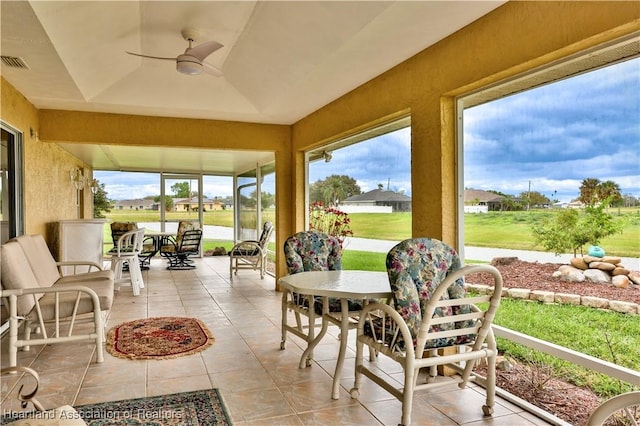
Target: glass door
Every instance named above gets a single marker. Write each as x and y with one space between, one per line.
180 200
11 211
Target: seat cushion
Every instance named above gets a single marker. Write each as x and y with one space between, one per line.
103 288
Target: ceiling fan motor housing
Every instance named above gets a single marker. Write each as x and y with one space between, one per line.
188 64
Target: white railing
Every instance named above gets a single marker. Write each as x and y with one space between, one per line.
610 369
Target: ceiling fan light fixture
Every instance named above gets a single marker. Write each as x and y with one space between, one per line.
190 66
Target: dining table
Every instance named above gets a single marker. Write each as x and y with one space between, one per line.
343 285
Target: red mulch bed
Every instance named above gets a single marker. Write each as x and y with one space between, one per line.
535 384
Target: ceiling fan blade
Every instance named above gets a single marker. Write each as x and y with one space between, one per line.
151 57
210 69
203 50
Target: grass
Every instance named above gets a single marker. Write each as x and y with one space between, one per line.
606 335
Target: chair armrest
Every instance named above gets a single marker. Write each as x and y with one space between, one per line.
25 398
76 263
46 290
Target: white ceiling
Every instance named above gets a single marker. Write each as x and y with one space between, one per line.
281 60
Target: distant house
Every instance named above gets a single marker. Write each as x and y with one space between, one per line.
479 201
191 204
139 204
377 201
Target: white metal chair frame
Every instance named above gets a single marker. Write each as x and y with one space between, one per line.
413 358
127 249
626 405
251 254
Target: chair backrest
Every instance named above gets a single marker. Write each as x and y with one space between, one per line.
184 226
130 242
190 241
267 230
119 228
312 251
416 268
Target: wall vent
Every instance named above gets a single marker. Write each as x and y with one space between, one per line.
14 62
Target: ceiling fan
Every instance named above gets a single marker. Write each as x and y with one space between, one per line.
192 60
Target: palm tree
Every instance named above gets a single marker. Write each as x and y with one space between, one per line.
589 191
609 191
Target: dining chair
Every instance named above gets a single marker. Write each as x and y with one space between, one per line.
148 247
431 323
311 251
185 244
251 254
126 251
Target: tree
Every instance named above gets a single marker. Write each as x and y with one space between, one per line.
534 198
589 191
333 189
571 229
181 190
168 202
610 191
100 202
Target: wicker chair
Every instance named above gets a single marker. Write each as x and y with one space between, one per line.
430 313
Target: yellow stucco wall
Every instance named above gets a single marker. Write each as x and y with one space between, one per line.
514 38
48 194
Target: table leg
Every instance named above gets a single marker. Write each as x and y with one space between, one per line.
325 324
344 334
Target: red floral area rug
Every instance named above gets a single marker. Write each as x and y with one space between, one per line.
158 338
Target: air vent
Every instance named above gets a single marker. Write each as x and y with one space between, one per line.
14 62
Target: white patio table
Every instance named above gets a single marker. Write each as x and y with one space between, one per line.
344 285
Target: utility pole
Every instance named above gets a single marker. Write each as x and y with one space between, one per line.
529 197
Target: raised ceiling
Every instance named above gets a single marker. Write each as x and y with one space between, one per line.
281 60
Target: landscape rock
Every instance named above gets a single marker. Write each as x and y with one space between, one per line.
620 270
569 273
578 262
503 260
621 281
634 276
590 259
611 259
603 266
597 276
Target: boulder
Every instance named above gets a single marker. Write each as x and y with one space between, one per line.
621 281
603 266
569 273
597 276
611 259
578 262
620 270
634 276
590 259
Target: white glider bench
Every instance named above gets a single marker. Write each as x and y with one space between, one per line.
35 293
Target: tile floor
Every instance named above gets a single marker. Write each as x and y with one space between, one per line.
261 384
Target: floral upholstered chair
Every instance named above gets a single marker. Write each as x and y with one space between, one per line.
430 312
311 251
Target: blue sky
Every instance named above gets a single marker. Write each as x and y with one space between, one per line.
548 139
